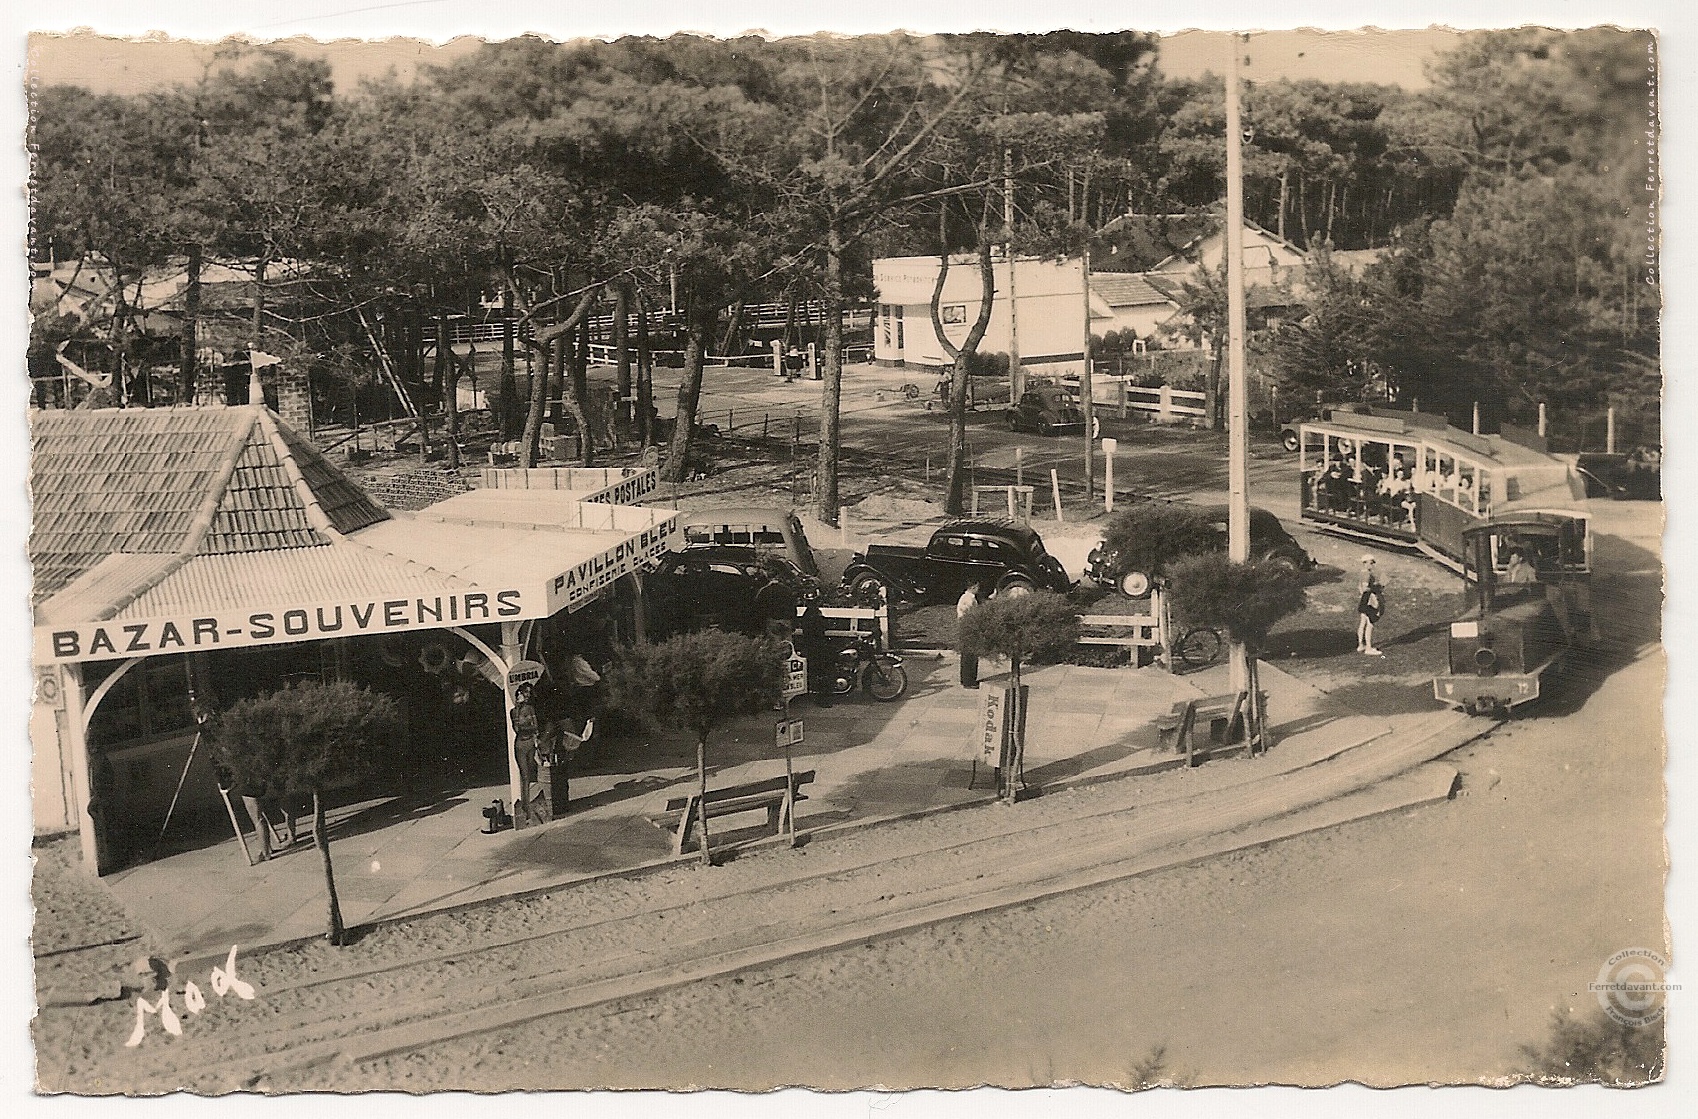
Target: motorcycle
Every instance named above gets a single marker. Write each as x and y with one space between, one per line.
861 664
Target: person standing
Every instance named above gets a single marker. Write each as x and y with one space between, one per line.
815 647
1370 607
969 662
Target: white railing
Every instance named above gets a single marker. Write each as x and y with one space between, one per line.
1166 404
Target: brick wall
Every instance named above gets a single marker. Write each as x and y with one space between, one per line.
418 488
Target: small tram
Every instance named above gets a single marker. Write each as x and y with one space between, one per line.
1530 608
1410 480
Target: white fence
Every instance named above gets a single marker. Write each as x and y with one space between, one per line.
1166 404
855 621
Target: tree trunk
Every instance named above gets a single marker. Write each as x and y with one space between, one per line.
509 387
677 467
1211 386
729 338
831 392
189 351
334 932
533 417
956 498
622 360
1284 198
701 799
448 365
1016 756
577 394
645 375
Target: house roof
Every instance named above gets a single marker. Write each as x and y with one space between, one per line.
1127 289
177 482
157 529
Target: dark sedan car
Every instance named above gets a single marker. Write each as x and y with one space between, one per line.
1269 542
740 589
1047 410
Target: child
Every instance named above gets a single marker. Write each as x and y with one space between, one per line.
1370 605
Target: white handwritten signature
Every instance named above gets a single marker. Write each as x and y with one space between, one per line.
224 982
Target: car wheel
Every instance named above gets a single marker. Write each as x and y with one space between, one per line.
1013 422
1135 584
1288 440
1046 429
1015 588
1284 561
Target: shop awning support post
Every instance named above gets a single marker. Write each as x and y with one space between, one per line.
512 652
75 730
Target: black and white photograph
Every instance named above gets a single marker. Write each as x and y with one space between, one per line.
1052 553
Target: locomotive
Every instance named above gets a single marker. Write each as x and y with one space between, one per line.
1530 609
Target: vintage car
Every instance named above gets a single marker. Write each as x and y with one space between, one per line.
1268 541
1047 410
764 528
1000 557
731 587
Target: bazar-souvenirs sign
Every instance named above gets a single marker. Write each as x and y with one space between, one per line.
577 585
116 639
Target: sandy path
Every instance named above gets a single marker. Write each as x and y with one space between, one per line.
1427 945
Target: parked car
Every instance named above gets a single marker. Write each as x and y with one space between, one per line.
1047 410
765 528
736 588
1268 541
1000 557
1620 477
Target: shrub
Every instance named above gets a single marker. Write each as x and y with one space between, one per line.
1018 627
1245 599
308 738
1149 537
698 682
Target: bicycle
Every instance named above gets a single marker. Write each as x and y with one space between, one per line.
910 391
1199 647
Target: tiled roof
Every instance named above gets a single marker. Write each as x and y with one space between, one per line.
1126 289
177 481
347 572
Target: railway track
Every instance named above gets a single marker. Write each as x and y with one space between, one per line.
367 1014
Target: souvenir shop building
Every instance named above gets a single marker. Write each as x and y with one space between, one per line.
189 557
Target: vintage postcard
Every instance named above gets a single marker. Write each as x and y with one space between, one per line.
878 561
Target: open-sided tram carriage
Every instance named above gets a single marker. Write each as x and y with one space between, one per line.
1530 607
1409 480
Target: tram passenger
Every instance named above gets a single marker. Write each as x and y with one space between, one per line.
1333 492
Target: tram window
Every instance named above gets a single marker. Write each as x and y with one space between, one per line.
1447 478
1465 485
1483 493
1430 468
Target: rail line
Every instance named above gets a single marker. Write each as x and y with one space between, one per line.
382 1011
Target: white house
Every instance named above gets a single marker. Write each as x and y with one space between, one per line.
1047 320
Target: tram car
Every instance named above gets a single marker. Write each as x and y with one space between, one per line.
1530 608
1410 480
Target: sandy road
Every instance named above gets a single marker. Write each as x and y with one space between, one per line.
1427 945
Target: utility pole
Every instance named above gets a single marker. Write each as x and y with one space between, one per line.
1086 392
1238 427
1016 372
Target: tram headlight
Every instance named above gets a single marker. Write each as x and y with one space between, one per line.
1485 661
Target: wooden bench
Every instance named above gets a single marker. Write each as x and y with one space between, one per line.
1222 713
777 795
